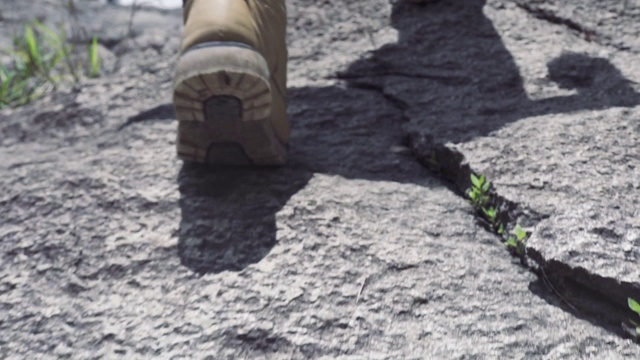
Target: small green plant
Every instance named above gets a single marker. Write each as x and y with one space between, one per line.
40 60
480 198
491 214
94 59
635 307
479 192
517 240
14 89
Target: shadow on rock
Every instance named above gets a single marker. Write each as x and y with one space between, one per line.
449 73
459 81
591 305
228 215
598 83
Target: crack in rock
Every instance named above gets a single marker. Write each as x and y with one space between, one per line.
555 19
451 165
571 285
591 20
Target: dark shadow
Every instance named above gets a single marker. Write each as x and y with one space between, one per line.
459 81
228 215
449 72
582 303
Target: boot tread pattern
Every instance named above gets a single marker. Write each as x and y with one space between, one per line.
223 101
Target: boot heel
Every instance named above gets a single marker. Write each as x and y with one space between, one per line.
223 100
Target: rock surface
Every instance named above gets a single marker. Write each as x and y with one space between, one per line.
574 160
110 247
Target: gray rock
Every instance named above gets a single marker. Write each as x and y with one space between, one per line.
110 247
569 144
611 23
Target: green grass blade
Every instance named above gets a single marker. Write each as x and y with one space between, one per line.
32 45
490 213
94 59
15 93
51 36
7 78
634 305
4 74
485 186
4 91
5 82
475 181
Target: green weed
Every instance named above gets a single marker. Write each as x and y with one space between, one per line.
94 59
40 60
479 192
635 307
517 240
491 215
480 198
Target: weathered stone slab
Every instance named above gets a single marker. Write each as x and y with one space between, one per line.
110 247
547 114
513 92
344 268
579 170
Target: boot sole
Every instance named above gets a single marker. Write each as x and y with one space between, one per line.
222 100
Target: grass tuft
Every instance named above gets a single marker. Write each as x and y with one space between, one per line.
39 61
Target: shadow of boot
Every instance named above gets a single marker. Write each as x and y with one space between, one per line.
228 215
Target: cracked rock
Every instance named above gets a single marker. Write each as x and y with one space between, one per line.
110 247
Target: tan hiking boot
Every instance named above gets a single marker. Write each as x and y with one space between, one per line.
230 83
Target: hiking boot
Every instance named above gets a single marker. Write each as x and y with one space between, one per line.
230 83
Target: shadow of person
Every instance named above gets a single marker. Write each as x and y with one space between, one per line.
598 84
458 80
449 75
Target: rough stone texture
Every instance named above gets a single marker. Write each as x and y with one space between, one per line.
577 167
609 22
549 115
110 247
